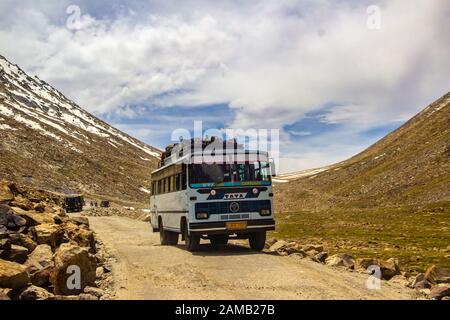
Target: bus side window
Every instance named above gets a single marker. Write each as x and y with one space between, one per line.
183 177
177 182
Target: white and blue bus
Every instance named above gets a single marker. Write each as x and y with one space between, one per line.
213 200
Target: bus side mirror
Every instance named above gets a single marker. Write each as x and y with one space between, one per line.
273 171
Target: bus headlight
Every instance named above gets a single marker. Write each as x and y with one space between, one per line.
265 212
202 215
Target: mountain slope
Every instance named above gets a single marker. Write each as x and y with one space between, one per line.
49 142
410 166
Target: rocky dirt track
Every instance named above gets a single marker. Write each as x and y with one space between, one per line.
146 270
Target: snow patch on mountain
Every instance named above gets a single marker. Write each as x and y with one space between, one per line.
34 103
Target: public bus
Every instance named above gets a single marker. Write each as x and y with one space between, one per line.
213 200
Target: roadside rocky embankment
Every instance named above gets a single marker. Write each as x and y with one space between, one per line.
41 247
433 284
127 212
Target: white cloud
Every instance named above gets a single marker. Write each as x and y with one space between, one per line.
272 61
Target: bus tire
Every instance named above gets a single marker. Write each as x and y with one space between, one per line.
192 241
219 240
257 240
172 238
163 234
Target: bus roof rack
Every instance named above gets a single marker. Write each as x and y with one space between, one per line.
185 147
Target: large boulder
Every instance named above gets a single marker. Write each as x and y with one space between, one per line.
39 264
419 282
362 264
21 202
341 260
70 255
400 279
5 192
436 275
389 268
279 245
17 254
80 221
270 242
13 275
9 219
80 235
35 293
23 240
50 234
440 291
32 218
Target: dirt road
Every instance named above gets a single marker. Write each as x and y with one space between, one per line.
147 270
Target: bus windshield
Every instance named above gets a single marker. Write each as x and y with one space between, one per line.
211 175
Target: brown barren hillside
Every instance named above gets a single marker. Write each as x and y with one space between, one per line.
49 142
410 166
391 200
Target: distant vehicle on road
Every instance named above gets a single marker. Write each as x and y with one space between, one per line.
73 203
211 200
104 204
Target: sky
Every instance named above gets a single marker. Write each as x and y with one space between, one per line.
332 76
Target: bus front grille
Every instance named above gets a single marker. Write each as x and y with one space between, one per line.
234 216
223 207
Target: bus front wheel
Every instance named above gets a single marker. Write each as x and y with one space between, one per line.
257 240
192 241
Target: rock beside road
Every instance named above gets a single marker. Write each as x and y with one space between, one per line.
437 275
341 260
35 293
419 282
71 261
128 212
51 234
39 243
80 235
39 264
440 291
13 275
433 283
389 268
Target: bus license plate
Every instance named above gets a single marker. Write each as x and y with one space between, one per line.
236 225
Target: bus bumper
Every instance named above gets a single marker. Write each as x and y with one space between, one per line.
203 228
